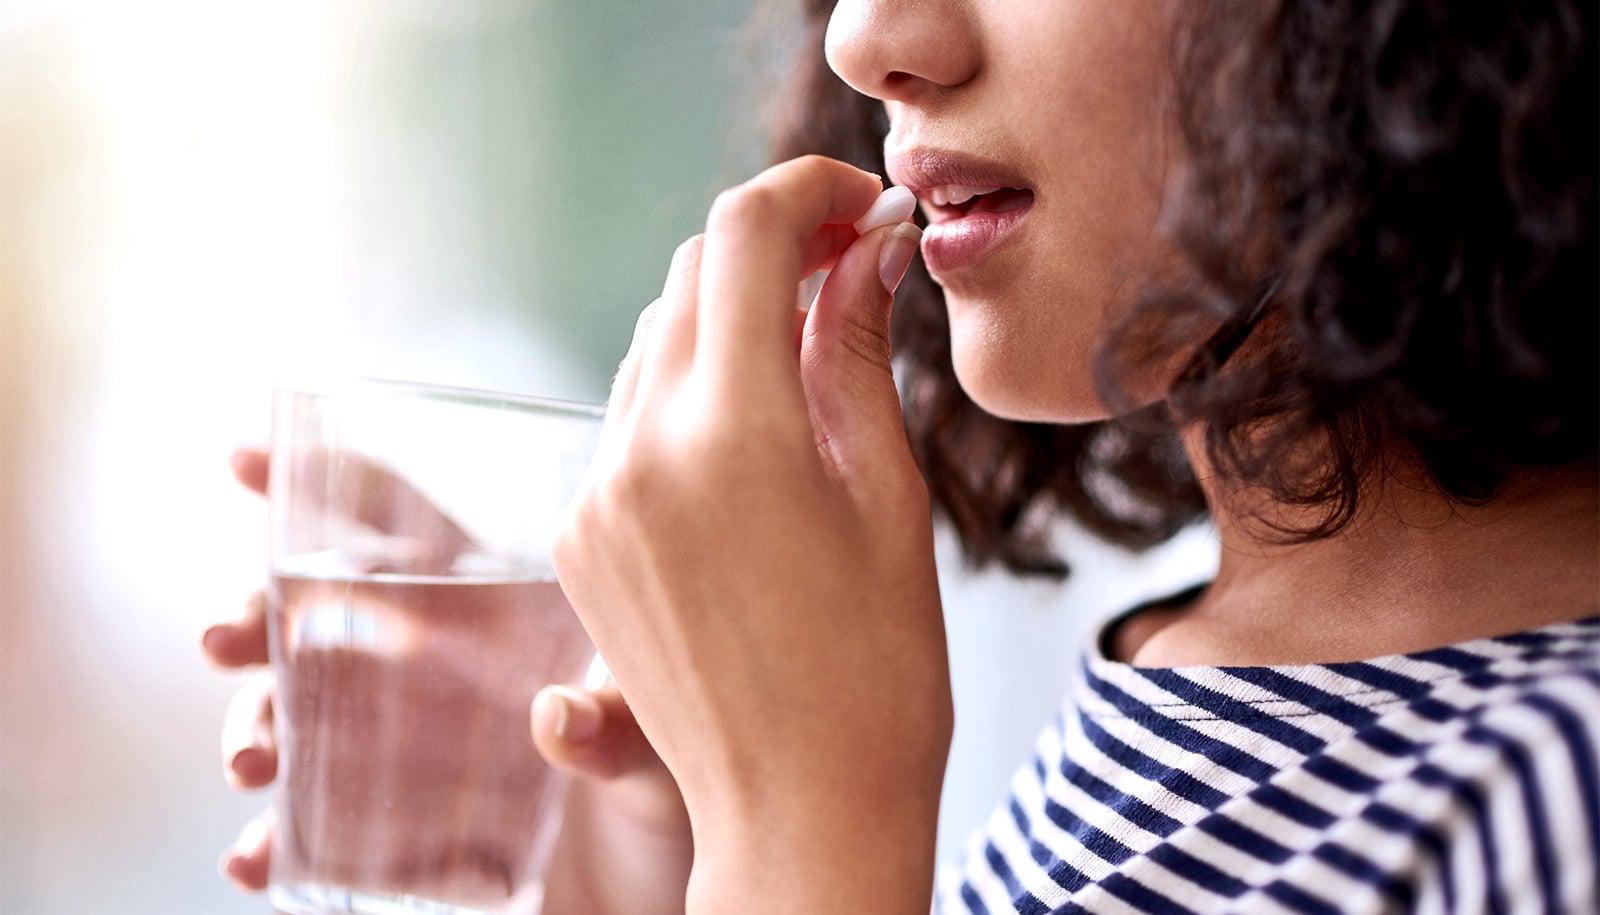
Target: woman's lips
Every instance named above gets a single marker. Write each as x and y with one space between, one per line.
972 204
963 240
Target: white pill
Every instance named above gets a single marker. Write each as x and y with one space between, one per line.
894 205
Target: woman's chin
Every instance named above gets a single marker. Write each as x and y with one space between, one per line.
1040 386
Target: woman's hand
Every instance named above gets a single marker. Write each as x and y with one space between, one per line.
624 844
752 554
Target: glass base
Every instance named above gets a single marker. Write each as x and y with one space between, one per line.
323 899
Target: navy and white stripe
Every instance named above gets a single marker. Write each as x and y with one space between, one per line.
1461 779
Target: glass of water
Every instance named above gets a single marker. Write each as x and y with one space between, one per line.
414 614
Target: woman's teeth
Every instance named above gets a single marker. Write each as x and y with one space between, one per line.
950 195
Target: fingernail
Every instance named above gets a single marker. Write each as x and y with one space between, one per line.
250 765
211 640
895 257
225 863
235 869
894 205
577 714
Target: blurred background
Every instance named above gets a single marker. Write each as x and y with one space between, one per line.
200 196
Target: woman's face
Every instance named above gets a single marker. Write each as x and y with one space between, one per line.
1058 105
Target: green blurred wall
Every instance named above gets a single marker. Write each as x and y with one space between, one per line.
546 157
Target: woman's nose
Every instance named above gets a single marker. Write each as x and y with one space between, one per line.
900 50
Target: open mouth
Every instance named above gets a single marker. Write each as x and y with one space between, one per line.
948 202
973 204
966 222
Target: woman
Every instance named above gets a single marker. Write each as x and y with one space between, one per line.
1328 264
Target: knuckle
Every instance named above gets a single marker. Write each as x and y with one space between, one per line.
866 339
647 317
723 208
812 164
747 205
688 252
815 170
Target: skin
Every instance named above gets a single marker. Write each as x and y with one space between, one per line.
777 628
1094 145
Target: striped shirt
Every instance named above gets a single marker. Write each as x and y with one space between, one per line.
1461 779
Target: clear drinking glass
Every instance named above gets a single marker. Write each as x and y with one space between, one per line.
414 613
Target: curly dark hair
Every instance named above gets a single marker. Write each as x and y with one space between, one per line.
1412 185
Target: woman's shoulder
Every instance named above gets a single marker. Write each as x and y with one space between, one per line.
1464 775
1486 776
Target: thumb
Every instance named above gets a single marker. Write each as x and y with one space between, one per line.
591 733
844 353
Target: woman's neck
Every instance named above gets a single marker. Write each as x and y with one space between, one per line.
1411 571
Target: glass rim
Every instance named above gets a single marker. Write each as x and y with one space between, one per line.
476 397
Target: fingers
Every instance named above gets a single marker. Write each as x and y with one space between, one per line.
591 733
824 247
626 383
249 752
758 238
247 862
240 643
671 347
250 468
379 497
364 491
249 755
845 358
663 337
347 484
